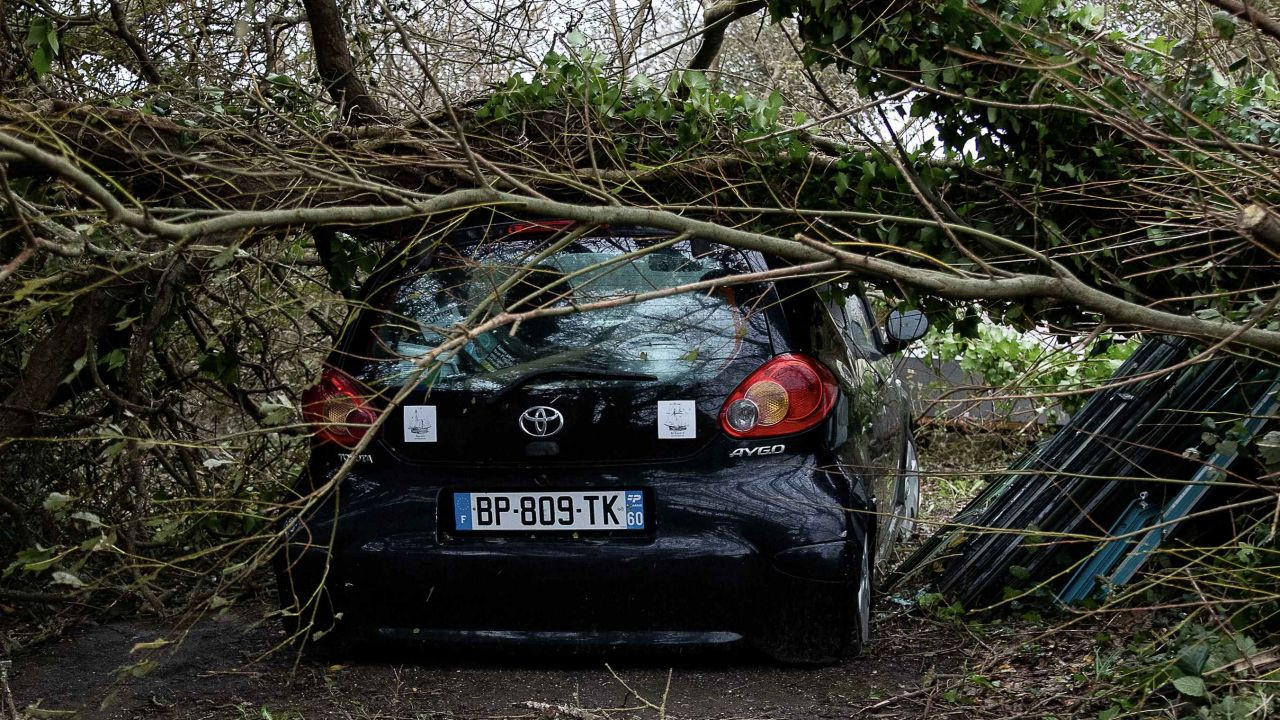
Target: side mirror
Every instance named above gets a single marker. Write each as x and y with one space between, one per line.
903 328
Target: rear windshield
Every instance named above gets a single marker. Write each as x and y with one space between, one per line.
684 337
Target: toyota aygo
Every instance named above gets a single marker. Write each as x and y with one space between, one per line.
708 466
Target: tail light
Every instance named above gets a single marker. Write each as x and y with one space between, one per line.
338 408
788 394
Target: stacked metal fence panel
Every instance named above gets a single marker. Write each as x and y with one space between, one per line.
1081 501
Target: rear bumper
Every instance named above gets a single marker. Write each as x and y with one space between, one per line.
762 559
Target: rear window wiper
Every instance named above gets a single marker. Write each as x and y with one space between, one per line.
572 372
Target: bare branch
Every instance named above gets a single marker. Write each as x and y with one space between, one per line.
145 64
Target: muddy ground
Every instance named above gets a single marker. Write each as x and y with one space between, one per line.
216 673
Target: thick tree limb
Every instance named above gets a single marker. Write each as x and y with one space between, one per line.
715 20
311 187
1261 224
627 45
1061 286
51 359
336 68
1265 24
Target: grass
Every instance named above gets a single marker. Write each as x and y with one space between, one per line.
956 465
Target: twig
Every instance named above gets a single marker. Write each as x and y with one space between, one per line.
5 666
444 98
566 710
660 709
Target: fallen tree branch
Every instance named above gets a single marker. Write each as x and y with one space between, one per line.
1062 286
1265 24
40 597
1261 223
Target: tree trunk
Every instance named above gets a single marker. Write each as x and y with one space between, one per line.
53 358
336 68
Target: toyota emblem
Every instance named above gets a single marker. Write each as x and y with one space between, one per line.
541 421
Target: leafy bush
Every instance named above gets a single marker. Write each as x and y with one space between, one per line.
1057 369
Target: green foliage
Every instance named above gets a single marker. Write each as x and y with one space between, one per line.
695 114
42 38
1025 363
1213 660
918 47
348 258
1062 103
936 606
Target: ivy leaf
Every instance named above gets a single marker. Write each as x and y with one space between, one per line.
696 80
42 38
1190 685
842 183
40 61
38 31
1225 24
62 577
1269 448
56 501
928 73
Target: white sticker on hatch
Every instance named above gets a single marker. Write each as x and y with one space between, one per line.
419 423
677 419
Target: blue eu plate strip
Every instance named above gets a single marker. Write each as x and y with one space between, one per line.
462 511
635 509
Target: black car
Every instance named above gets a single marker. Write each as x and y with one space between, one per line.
705 467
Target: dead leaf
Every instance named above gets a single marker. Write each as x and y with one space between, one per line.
153 645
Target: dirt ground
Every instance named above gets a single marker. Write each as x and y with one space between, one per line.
215 673
222 669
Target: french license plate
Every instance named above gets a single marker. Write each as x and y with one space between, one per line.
542 511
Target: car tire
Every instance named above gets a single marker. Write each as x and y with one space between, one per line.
908 506
864 600
836 624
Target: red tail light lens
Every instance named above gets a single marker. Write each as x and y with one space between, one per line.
338 408
788 394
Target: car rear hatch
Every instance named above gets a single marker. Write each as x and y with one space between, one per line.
633 382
